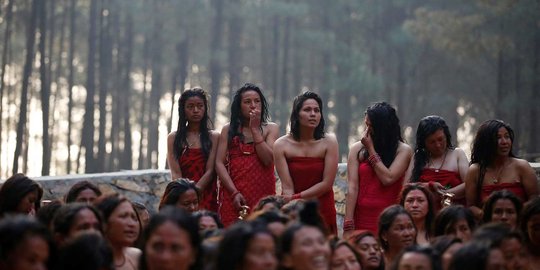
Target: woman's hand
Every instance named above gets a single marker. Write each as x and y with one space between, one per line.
367 141
239 201
255 119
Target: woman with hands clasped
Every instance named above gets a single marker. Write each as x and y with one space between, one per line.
375 167
306 158
244 161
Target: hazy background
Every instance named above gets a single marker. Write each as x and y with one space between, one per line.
95 83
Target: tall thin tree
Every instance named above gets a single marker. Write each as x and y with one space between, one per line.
71 56
7 38
45 92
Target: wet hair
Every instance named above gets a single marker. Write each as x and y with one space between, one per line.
77 188
471 256
236 111
15 230
386 131
175 189
46 213
336 243
86 251
205 213
532 208
428 220
444 242
387 218
277 200
234 245
298 102
67 215
427 126
180 139
430 252
484 150
14 190
449 216
494 198
183 220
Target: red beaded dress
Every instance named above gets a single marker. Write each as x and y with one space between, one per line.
448 179
306 172
250 177
515 187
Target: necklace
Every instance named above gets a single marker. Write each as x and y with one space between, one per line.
495 180
193 142
442 163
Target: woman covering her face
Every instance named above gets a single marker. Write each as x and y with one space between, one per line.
244 161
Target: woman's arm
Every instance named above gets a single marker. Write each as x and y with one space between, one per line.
208 175
330 169
174 166
280 162
471 195
388 176
409 172
263 146
463 167
352 181
221 170
528 179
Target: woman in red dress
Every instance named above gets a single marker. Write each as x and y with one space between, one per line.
375 167
191 149
494 167
244 161
437 162
306 158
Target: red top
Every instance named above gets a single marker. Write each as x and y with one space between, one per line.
250 177
448 179
515 187
373 198
193 165
305 173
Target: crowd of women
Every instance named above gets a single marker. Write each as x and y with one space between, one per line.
422 208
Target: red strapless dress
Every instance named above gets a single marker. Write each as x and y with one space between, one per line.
373 198
250 177
447 179
306 172
515 187
193 165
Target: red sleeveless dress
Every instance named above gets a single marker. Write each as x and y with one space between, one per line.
515 187
373 198
249 176
193 165
447 179
306 172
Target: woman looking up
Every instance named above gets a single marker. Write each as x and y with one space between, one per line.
375 169
436 161
191 149
244 161
494 167
306 158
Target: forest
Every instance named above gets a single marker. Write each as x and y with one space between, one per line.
92 86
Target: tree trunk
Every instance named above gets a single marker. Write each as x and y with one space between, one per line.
126 162
45 92
71 56
500 110
284 87
88 126
27 72
215 61
7 38
534 111
274 66
105 56
142 157
234 49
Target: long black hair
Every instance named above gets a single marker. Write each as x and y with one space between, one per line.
297 106
484 149
427 126
180 140
386 131
14 190
236 112
175 189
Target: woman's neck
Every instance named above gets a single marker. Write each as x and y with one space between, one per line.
500 161
420 225
306 134
390 255
118 255
193 127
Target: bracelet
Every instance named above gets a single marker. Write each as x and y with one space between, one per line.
348 225
235 193
296 196
373 159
